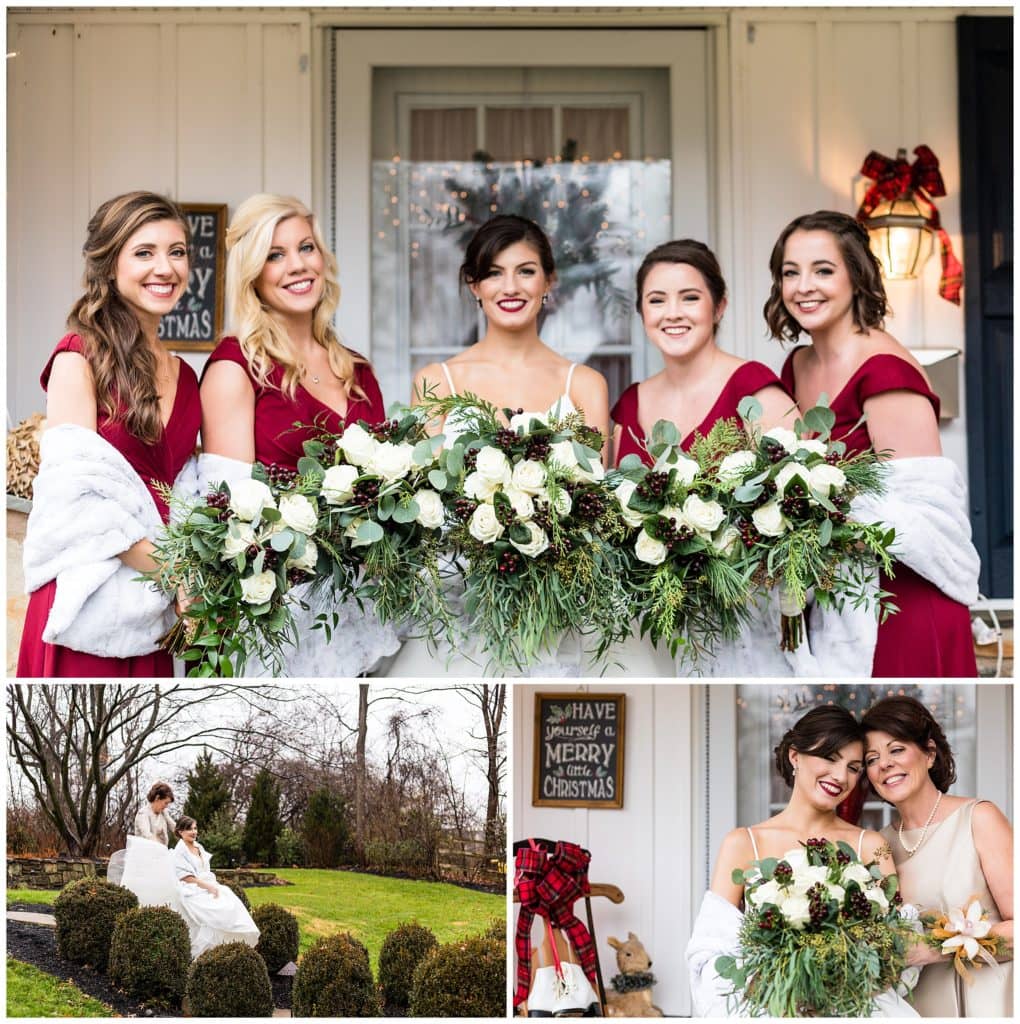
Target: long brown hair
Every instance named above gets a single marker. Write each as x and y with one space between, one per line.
123 366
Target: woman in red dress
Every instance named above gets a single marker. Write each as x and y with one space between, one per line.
827 283
286 367
681 297
122 417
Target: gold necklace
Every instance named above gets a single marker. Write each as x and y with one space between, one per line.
924 830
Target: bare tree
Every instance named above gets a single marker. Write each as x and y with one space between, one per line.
75 743
490 700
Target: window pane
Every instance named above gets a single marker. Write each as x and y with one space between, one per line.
601 133
443 134
519 133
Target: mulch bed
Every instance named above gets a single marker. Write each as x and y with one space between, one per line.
32 908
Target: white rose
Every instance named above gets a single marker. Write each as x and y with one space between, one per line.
687 469
259 588
522 503
735 467
767 892
234 545
796 910
726 540
813 445
491 464
391 461
826 479
769 521
522 421
483 525
792 471
563 503
593 475
787 438
249 497
430 508
338 484
351 533
358 445
857 873
307 559
807 875
835 892
649 550
875 894
297 512
672 513
562 454
623 493
529 476
703 517
537 543
796 858
477 487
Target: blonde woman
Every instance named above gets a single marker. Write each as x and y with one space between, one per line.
285 365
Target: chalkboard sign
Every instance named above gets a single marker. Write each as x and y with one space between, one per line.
578 750
196 322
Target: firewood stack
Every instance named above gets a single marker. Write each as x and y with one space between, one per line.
23 455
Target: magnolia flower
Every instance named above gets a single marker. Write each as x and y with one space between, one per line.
308 558
649 550
536 544
484 526
491 464
351 533
391 461
826 479
735 467
358 445
969 925
239 538
249 497
338 484
259 588
528 476
297 512
769 521
797 911
703 517
790 472
430 508
623 493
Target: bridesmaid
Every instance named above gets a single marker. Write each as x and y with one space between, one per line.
827 283
948 850
152 821
681 298
122 417
286 366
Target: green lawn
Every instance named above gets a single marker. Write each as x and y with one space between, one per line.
370 906
46 896
34 993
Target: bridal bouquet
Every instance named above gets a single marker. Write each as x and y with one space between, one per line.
821 936
534 526
684 574
238 554
964 934
791 506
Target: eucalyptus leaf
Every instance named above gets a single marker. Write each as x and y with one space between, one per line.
281 541
749 409
422 454
437 478
406 513
370 532
825 532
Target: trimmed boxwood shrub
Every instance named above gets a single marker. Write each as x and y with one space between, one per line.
86 912
229 981
334 979
278 935
495 929
150 954
461 979
403 949
236 889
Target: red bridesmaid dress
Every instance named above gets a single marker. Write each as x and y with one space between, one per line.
930 635
277 442
155 463
746 379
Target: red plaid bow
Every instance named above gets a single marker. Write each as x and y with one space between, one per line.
922 180
548 883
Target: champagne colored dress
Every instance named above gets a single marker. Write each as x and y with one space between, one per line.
945 874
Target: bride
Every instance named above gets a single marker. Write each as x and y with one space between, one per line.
821 759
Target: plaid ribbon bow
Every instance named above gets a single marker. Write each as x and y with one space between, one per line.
922 180
548 882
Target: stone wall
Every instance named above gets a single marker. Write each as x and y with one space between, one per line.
49 872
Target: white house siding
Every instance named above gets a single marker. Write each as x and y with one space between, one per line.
645 847
212 105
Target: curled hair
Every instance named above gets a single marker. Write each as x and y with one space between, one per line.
910 721
693 254
160 791
184 824
499 233
122 364
869 306
822 732
263 337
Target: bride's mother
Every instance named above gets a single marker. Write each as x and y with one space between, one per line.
152 821
948 851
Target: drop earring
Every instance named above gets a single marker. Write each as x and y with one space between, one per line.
545 298
479 301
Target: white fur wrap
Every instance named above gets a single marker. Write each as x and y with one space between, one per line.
716 933
88 507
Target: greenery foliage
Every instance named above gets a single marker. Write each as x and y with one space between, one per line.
325 830
278 935
150 954
229 981
404 948
208 794
86 912
461 979
334 979
290 848
222 838
262 825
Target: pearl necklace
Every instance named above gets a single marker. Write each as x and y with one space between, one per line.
911 850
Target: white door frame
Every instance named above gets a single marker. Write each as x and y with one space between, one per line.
358 51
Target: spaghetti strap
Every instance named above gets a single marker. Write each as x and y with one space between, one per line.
570 377
449 379
860 844
754 845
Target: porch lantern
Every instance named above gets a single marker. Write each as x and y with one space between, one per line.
900 237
